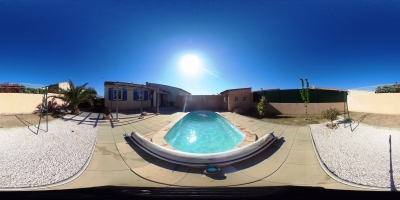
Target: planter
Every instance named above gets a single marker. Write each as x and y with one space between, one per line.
107 113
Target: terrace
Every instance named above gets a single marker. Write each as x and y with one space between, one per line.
301 155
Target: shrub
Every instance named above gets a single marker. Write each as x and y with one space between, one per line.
386 89
331 114
262 106
10 88
51 105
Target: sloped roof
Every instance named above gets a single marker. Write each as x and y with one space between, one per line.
124 84
236 89
170 86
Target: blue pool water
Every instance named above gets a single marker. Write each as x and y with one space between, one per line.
203 132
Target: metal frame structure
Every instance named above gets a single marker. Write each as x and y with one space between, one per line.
345 105
142 87
44 100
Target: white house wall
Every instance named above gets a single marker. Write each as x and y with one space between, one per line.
63 85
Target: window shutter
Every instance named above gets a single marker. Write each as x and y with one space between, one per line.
146 95
135 95
124 95
109 93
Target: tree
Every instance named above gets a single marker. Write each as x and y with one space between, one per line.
305 95
262 106
76 95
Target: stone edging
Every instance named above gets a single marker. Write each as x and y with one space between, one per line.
336 178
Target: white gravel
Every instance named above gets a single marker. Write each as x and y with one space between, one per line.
361 156
30 160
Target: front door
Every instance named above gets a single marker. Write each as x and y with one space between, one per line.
152 98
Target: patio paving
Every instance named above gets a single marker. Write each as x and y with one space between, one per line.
290 160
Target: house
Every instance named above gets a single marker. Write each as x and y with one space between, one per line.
240 99
172 91
129 96
54 88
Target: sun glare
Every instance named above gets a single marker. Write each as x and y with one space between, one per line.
190 64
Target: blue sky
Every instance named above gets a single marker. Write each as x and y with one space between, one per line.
258 44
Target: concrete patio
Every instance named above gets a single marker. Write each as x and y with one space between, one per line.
290 160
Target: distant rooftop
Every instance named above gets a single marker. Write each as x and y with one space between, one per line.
236 89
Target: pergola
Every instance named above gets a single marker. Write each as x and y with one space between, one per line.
135 87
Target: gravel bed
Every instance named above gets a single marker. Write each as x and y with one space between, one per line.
361 156
30 160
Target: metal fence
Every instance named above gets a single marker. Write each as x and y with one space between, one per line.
294 96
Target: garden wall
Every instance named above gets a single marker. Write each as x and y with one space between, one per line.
370 102
299 109
199 102
21 103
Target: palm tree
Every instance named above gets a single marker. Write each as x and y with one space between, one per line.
76 95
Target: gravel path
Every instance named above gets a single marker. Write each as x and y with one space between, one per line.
361 156
30 160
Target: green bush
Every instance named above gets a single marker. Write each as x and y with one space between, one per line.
262 106
386 89
330 114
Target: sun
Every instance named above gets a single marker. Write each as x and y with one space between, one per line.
190 64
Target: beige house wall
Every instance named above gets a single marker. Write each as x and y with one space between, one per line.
299 109
199 102
369 102
128 104
22 103
244 105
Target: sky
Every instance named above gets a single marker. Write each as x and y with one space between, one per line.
233 44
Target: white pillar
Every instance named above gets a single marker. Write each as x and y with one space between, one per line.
157 100
154 98
117 100
141 102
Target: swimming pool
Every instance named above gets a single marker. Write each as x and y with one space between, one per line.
203 132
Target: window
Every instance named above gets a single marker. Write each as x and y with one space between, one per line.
244 99
140 95
117 94
236 99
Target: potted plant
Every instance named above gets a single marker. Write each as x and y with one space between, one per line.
107 113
